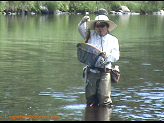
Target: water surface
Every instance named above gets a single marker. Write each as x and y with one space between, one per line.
40 73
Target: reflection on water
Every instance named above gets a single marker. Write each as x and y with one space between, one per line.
97 114
40 73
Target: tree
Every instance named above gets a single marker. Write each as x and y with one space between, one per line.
63 5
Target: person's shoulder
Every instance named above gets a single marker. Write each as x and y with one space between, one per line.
112 36
92 32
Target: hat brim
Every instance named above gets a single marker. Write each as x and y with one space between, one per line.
112 25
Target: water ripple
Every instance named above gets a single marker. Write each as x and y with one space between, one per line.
147 102
146 64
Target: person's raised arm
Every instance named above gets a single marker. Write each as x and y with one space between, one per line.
82 26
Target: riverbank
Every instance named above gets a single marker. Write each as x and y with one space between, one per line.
76 7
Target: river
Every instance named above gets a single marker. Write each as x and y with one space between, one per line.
41 77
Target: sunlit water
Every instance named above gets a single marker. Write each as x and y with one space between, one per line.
40 73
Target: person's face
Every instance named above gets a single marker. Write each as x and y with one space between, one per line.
101 28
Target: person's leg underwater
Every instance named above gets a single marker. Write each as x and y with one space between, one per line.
104 90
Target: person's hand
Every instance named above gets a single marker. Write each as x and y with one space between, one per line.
86 18
103 61
103 54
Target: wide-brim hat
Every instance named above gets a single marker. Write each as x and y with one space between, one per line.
102 18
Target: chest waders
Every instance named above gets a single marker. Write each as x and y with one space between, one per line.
98 88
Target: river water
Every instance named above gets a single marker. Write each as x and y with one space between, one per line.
41 77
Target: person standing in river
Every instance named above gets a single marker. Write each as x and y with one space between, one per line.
98 78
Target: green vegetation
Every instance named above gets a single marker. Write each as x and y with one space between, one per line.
80 6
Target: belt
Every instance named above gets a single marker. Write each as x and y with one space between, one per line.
98 70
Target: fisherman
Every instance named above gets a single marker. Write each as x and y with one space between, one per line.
98 78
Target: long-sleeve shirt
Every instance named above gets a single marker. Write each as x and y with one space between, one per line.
107 43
